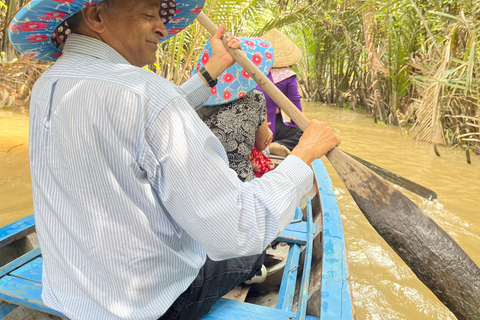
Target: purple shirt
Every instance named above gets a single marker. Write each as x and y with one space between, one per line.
289 88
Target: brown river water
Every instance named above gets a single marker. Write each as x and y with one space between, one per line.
383 286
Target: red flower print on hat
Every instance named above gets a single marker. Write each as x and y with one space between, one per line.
88 4
245 74
227 95
228 78
196 10
241 94
50 16
257 58
31 54
178 10
176 20
14 28
205 58
175 30
38 37
198 66
213 90
263 44
64 1
249 43
32 26
58 54
268 55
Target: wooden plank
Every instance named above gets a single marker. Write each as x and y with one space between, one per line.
296 232
6 308
303 294
313 193
24 293
289 279
16 230
239 293
335 294
300 226
19 261
233 310
293 237
32 270
298 214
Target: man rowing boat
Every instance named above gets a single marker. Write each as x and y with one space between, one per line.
131 190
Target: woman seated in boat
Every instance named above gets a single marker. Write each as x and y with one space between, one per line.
236 112
285 133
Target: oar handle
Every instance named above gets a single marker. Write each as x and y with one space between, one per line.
271 89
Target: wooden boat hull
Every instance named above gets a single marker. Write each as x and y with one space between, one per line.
329 290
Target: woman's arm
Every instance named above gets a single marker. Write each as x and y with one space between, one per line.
263 135
292 91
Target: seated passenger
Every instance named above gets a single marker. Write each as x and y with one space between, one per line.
285 133
236 112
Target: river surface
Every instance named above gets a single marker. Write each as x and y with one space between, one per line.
383 286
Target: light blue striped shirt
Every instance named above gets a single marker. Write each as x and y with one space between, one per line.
131 190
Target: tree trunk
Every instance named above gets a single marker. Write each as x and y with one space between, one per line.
374 61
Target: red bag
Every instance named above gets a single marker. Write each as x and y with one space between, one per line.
260 162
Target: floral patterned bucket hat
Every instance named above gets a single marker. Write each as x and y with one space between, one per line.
39 29
235 82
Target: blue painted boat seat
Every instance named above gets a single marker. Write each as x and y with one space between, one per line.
21 279
226 309
21 284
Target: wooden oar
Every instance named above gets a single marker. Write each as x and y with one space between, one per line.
398 180
436 259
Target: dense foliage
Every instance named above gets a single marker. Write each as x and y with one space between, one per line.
413 63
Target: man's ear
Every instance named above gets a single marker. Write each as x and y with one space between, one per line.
94 17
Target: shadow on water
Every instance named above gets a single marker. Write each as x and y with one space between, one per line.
383 286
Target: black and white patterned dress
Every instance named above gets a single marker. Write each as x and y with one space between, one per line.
235 124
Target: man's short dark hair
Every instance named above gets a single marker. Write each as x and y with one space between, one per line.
75 20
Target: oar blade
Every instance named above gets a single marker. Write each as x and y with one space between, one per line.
398 180
437 260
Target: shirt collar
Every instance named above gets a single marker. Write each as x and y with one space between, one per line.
279 74
77 43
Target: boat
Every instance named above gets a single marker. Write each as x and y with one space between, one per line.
307 272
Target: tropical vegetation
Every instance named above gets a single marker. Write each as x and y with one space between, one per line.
411 63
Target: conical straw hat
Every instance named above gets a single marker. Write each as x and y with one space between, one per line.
286 51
